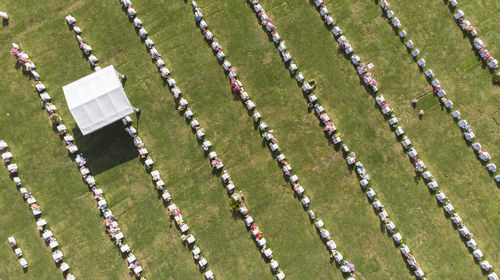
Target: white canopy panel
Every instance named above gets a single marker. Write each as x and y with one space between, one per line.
97 100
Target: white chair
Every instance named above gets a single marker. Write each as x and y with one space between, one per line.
331 245
405 250
421 62
370 194
17 180
455 219
476 146
406 143
23 263
220 55
383 215
396 23
18 252
493 276
300 78
399 131
280 275
274 265
419 272
70 19
226 65
477 254
471 244
429 74
363 183
212 155
464 231
448 208
469 136
486 266
250 105
355 59
397 238
390 227
440 196
305 201
377 205
143 33
3 145
441 93
319 224
7 157
336 31
459 14
282 46
409 44
209 275
338 257
12 241
491 167
166 196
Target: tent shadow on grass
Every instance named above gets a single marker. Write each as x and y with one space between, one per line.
105 148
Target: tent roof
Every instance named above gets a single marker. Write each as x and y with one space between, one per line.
97 100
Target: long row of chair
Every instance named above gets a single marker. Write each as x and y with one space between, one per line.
110 221
85 48
41 223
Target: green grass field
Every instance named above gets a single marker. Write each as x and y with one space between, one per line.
39 28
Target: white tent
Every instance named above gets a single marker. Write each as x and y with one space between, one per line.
97 100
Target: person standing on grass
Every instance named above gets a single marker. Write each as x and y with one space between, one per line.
137 111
